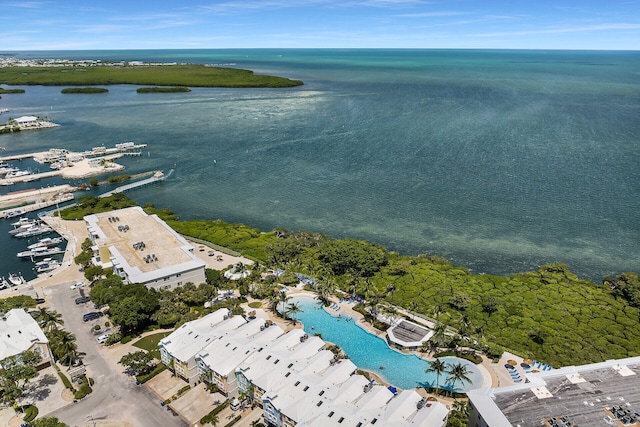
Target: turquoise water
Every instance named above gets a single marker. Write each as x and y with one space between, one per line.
369 352
497 160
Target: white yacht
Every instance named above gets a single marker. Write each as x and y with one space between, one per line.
40 252
47 242
16 279
35 230
47 264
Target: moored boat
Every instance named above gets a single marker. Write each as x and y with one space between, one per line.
47 264
47 242
35 230
40 252
16 279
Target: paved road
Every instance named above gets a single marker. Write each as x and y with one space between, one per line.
115 396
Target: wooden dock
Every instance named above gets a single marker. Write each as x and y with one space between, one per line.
38 206
157 177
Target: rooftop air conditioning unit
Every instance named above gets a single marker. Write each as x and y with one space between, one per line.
421 403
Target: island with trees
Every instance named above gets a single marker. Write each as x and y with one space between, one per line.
84 90
175 89
186 75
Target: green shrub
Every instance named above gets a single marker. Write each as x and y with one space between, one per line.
255 304
155 371
233 421
85 389
183 389
207 418
65 380
113 339
467 356
30 412
126 339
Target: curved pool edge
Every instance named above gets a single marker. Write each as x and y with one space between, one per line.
481 377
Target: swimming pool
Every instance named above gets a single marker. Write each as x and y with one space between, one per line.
370 352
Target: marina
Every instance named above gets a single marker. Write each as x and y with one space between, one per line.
37 205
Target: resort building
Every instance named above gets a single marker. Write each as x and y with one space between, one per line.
606 393
19 332
143 249
293 377
178 350
217 362
407 334
26 121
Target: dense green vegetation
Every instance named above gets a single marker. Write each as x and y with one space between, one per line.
116 179
84 90
47 422
88 205
550 315
251 242
174 75
156 89
15 373
7 91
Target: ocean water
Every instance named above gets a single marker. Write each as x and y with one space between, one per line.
497 160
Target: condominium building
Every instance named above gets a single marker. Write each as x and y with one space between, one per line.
179 349
143 249
294 378
598 394
19 332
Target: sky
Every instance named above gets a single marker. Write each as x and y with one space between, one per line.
202 24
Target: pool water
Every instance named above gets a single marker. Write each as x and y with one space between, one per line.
369 352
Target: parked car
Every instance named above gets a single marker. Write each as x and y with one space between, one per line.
39 300
103 338
77 285
92 316
82 300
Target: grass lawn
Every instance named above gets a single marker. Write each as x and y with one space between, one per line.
150 343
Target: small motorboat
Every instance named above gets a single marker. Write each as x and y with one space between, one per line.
16 279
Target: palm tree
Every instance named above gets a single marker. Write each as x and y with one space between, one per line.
412 308
437 311
391 289
439 335
439 367
63 346
293 309
283 298
461 406
458 372
48 320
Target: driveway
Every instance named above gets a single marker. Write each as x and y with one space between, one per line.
116 399
196 403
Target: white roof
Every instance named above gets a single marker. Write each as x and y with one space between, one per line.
225 354
296 373
18 333
186 341
26 119
175 254
409 334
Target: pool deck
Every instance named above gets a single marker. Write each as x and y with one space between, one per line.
492 373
